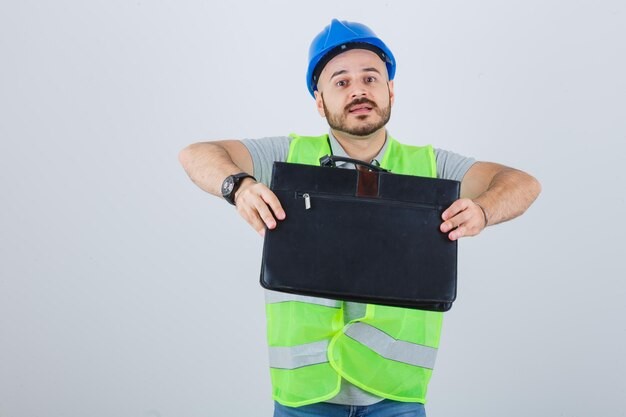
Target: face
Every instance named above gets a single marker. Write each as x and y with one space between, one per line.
353 93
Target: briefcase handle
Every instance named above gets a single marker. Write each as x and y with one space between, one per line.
331 160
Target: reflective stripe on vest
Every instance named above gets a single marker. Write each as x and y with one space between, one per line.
272 297
293 357
391 348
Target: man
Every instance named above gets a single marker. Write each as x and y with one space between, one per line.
319 363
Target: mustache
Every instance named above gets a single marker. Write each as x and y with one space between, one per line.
362 100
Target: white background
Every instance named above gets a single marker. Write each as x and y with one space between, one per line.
127 291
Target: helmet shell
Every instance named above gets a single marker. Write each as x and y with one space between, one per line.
339 37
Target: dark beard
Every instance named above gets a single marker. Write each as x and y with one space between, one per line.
338 121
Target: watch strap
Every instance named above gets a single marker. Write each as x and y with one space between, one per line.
237 179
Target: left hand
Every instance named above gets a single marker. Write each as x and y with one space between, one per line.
462 218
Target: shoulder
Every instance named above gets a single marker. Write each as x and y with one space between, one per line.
451 165
267 141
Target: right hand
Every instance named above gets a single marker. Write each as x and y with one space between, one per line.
253 201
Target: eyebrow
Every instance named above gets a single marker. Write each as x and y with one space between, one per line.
340 72
336 73
371 69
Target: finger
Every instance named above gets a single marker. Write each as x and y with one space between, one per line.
455 208
251 216
469 223
264 213
476 222
270 198
458 233
455 221
250 206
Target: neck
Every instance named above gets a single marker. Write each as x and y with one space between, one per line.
363 148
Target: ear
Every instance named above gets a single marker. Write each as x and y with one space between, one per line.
319 103
391 94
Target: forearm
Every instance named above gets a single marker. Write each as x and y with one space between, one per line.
508 195
207 164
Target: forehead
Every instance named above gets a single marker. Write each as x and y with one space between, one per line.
354 60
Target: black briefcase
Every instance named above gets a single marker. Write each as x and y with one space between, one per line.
364 235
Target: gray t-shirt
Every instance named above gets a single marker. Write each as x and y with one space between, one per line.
266 151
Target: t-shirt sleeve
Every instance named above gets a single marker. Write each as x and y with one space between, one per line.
265 152
452 166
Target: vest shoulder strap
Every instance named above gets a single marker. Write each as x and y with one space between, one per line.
409 159
308 149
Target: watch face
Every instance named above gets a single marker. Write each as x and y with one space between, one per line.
227 186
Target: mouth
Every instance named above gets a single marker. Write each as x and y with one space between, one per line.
360 109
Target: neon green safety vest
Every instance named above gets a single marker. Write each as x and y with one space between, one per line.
390 352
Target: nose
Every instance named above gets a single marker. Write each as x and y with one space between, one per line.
358 92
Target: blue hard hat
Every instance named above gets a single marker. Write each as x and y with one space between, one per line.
339 37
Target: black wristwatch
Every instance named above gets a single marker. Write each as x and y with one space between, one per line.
231 184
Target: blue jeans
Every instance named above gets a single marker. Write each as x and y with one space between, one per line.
385 408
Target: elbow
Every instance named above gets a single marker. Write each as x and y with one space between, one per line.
533 189
184 156
190 153
536 187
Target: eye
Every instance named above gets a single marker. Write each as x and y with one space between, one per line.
341 83
370 79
